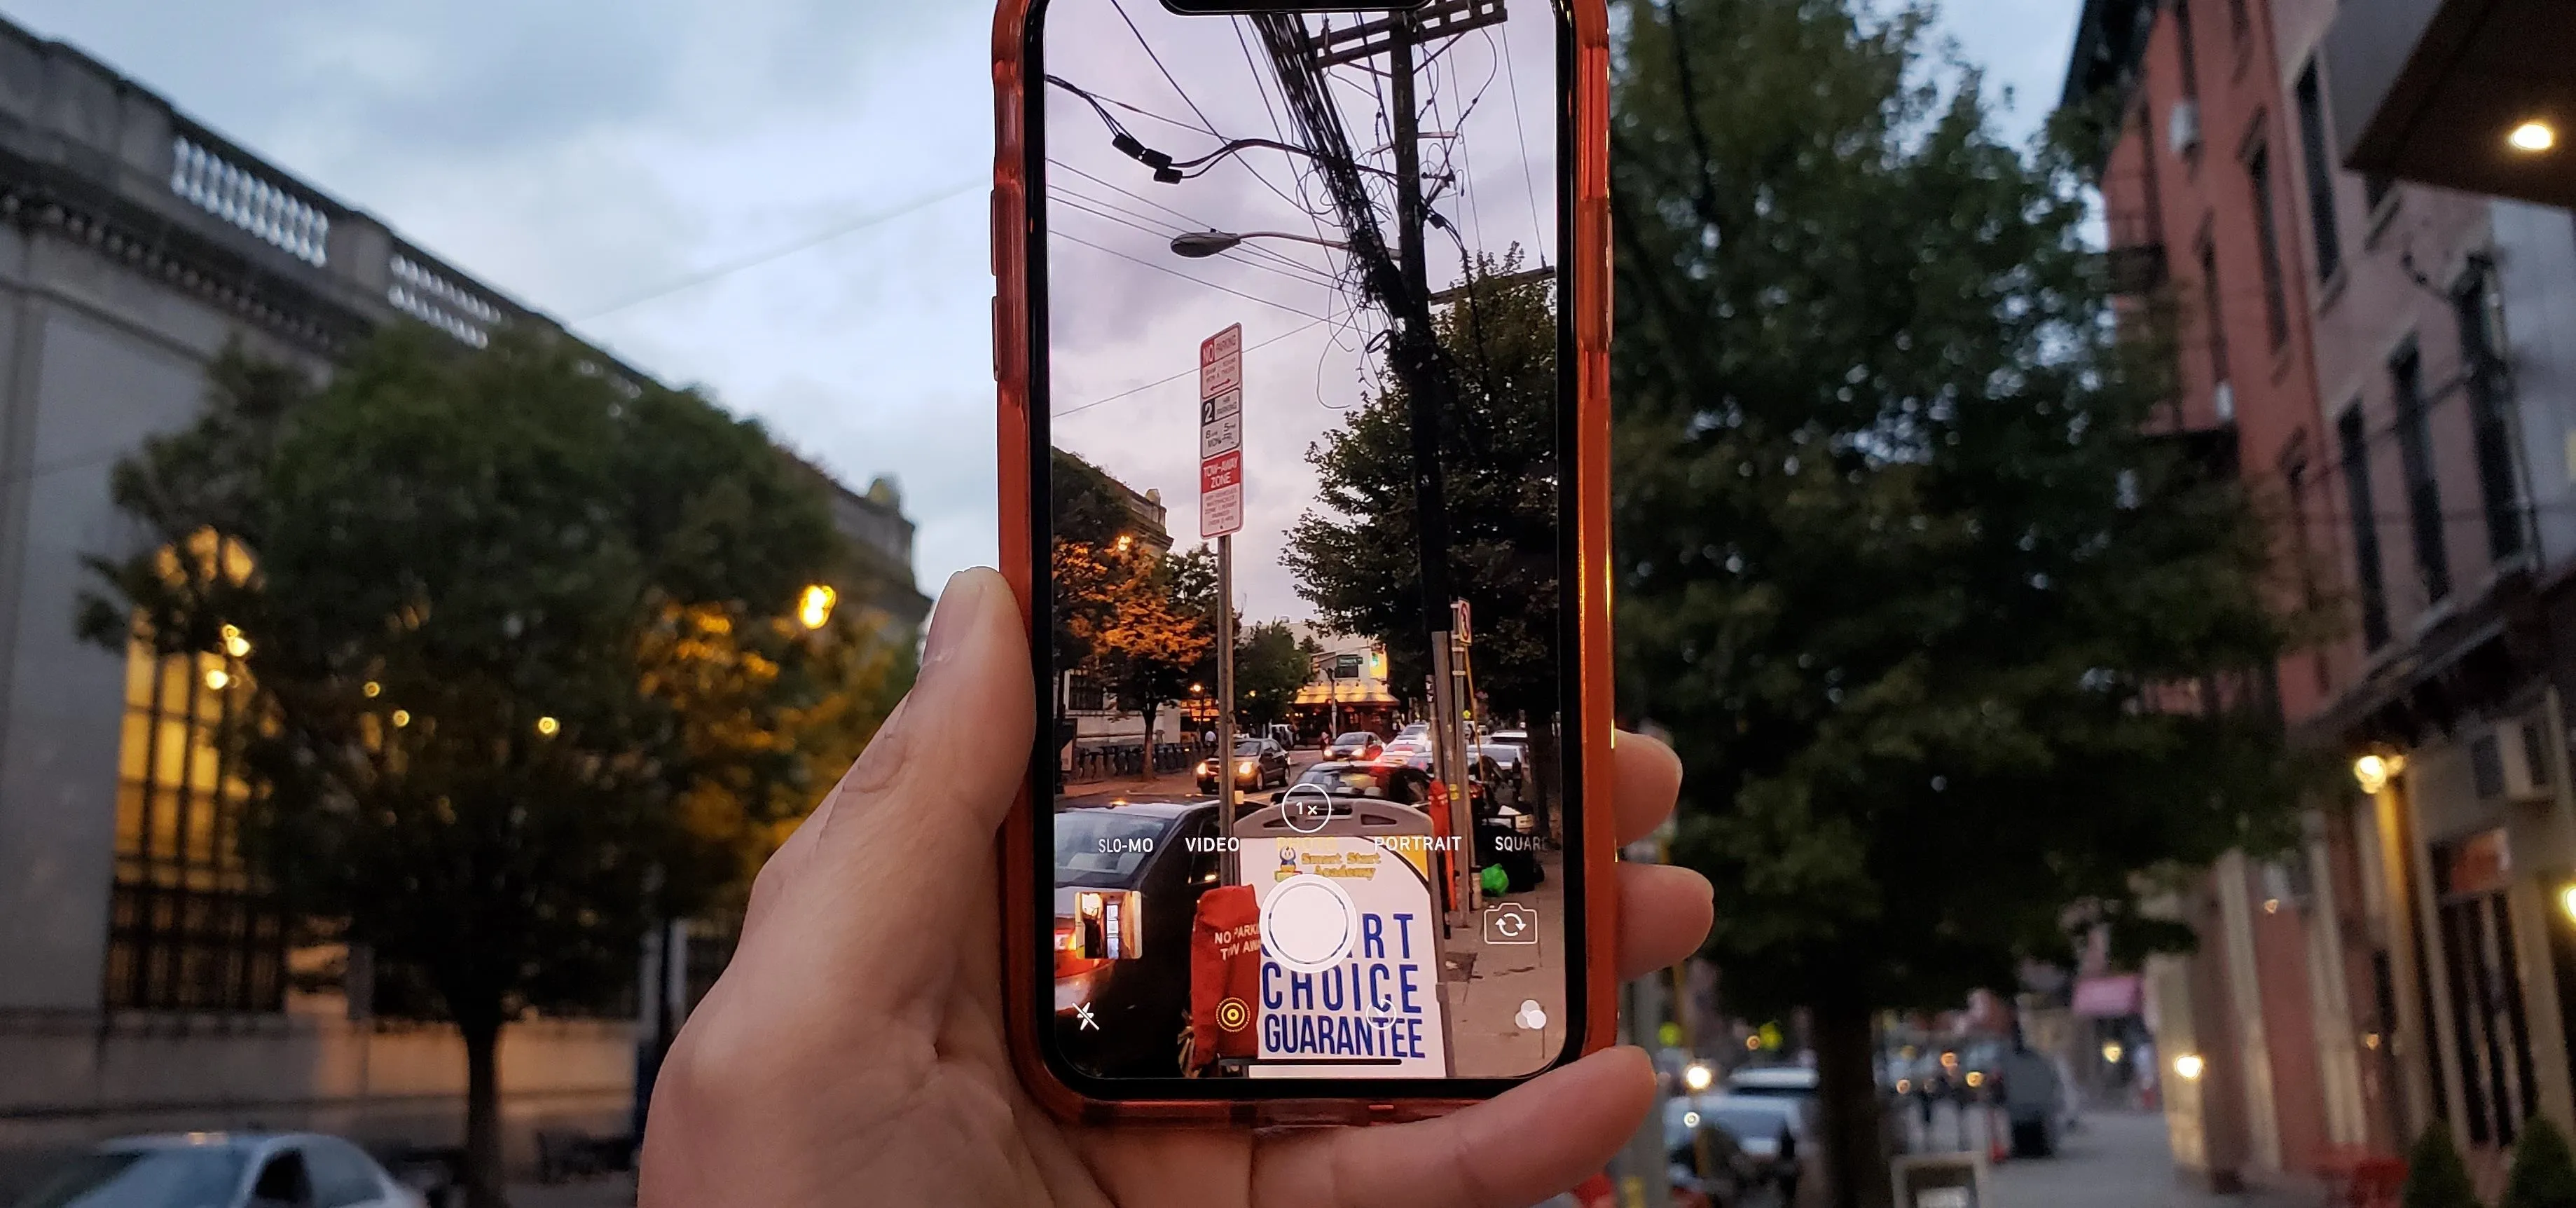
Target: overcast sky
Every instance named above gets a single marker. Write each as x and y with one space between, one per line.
581 155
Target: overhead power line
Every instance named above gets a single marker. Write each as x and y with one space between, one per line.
756 259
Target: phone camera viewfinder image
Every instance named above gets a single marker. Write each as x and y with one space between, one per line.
1304 440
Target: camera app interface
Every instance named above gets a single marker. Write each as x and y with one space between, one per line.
1302 274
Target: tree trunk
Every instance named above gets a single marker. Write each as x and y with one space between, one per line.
1854 1164
1150 770
483 1112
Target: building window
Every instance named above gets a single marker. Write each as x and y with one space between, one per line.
188 928
2294 475
2190 55
2423 491
2214 314
1083 695
2267 233
2481 366
2312 155
2355 449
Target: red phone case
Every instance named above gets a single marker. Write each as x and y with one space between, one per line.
1588 274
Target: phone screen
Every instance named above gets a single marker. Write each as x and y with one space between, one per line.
1304 534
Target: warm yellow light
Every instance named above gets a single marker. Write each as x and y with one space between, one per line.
1905 1086
402 717
2533 137
1124 541
373 688
2188 1066
218 679
2370 1040
1976 1078
2271 905
1698 1077
1752 1043
2111 1051
547 726
234 643
814 608
2373 771
1949 1061
2567 901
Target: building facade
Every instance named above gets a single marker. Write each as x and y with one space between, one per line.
2398 385
143 984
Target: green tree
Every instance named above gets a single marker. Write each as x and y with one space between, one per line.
2544 1173
519 678
1270 664
1357 557
1952 651
2435 1176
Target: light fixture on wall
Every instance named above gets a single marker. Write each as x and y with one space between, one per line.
2374 771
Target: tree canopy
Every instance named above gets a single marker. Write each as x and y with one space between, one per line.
1950 641
1357 555
522 666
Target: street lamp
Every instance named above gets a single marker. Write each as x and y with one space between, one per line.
1203 244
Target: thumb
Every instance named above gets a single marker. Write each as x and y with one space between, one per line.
1521 1147
886 871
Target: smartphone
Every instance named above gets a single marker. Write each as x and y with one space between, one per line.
1302 341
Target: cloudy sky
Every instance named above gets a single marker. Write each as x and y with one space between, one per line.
815 167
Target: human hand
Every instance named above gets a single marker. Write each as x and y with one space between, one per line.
853 1052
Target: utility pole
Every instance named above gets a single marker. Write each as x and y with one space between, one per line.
1227 803
1398 278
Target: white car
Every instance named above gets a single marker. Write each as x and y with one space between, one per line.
223 1170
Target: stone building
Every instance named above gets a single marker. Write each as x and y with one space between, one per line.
144 986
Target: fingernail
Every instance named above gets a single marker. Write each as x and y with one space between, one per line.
960 603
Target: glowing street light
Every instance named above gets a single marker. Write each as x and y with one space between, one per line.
234 643
2188 1067
814 608
548 726
2111 1051
2374 771
402 717
218 679
2532 137
1698 1077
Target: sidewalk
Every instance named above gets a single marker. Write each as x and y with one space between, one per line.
1484 1040
2118 1159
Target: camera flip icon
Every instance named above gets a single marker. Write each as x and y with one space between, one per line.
1511 923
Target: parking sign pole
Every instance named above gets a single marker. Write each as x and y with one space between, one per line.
1224 754
1220 517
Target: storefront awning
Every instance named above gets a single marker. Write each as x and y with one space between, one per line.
1344 692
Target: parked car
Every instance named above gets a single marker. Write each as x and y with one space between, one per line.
1258 764
1772 1132
1407 752
1140 1006
1358 744
1720 1174
1773 1082
223 1170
